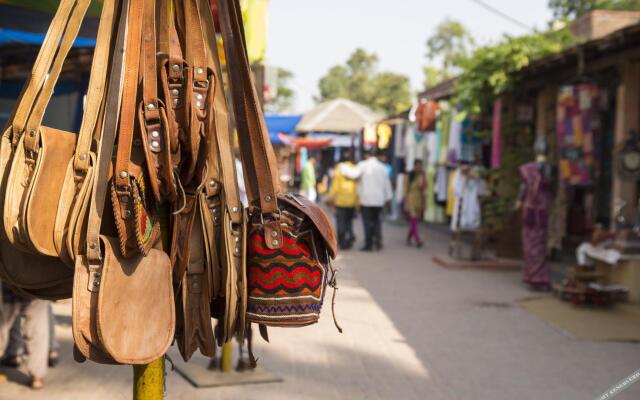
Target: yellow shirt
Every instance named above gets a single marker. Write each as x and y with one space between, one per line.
343 191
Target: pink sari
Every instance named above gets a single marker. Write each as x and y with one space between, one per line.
535 220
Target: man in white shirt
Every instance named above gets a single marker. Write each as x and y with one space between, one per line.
374 191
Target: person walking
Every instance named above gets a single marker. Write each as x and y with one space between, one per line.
414 202
374 191
36 331
344 197
308 183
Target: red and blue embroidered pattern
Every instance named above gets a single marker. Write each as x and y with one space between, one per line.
286 285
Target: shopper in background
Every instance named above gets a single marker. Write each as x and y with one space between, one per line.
308 183
344 197
35 331
414 202
374 191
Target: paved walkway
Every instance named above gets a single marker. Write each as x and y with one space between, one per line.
413 330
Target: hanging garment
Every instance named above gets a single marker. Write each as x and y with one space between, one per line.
432 148
496 143
535 219
426 114
416 147
467 213
455 143
442 184
451 198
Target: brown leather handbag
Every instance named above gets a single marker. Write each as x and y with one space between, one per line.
35 179
35 275
290 240
123 308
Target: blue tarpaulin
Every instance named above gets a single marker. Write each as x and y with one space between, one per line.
10 36
278 123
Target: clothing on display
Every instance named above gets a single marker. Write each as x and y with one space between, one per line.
576 129
535 219
416 147
468 189
441 186
454 153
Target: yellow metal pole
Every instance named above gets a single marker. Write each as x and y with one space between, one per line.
148 381
227 359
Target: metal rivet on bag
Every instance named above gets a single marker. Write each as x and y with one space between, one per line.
96 283
237 240
200 70
175 92
127 214
212 183
123 174
83 156
176 102
175 67
274 234
155 134
199 104
151 107
155 144
234 209
268 198
275 242
237 251
93 246
98 274
198 96
32 133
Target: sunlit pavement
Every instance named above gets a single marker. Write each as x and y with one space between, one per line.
412 330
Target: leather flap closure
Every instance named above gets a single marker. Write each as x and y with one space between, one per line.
317 216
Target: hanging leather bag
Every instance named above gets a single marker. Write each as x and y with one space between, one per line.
35 181
33 274
123 308
290 240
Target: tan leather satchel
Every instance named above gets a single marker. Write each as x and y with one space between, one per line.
34 275
35 180
123 308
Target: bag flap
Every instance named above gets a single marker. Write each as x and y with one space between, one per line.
317 215
136 312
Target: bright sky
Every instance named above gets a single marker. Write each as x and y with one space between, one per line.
308 37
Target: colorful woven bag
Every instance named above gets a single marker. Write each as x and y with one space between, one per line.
287 284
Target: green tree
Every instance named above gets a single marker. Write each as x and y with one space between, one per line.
358 80
446 48
571 9
284 96
489 71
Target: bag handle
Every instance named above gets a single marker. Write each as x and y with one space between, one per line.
97 85
40 69
32 139
126 128
258 157
107 139
220 122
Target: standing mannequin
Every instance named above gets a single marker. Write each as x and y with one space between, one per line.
535 202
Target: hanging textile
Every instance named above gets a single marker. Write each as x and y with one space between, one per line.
256 21
496 143
575 128
416 147
455 137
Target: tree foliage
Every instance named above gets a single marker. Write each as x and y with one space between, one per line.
448 46
358 80
570 9
488 72
285 95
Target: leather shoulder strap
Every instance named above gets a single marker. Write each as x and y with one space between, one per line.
107 139
220 121
41 68
129 96
32 139
258 158
97 85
